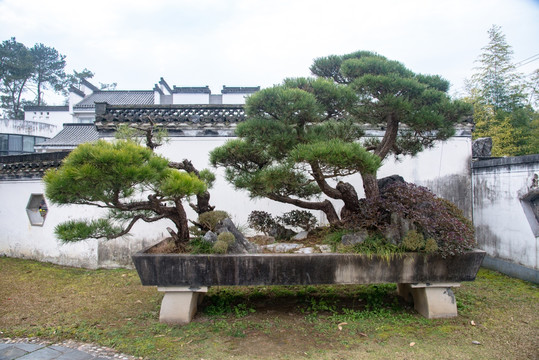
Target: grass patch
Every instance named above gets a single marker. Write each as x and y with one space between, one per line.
111 308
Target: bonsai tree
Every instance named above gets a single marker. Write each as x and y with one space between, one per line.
154 136
302 138
128 180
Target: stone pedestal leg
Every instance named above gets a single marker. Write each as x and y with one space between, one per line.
405 291
180 303
431 300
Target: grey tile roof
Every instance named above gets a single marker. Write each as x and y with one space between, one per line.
175 116
89 85
71 136
239 89
192 90
117 97
29 166
46 108
76 91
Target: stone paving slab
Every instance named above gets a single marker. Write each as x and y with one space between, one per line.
11 352
34 349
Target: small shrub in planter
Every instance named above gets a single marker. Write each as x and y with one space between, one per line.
224 240
413 241
298 218
263 221
209 220
439 221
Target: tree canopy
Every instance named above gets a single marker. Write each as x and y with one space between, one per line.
25 71
16 70
504 100
302 138
49 67
129 181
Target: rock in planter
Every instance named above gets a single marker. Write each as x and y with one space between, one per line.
301 235
241 245
210 237
282 247
355 238
398 228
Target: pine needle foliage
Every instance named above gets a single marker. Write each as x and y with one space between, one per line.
128 180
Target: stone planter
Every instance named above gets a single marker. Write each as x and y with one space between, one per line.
425 279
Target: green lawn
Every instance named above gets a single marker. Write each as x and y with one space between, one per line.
111 308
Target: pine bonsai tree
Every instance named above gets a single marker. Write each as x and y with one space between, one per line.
304 137
129 181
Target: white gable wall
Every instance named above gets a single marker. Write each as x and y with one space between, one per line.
190 99
234 99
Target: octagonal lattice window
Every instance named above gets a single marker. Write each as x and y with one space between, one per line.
37 209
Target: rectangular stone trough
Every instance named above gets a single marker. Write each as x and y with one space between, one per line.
424 278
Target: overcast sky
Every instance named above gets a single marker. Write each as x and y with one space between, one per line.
254 42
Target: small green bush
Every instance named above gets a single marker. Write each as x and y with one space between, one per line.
377 245
210 219
220 247
431 245
261 221
200 246
413 241
227 237
299 218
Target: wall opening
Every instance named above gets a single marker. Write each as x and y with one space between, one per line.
37 209
530 205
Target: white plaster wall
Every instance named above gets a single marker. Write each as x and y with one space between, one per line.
73 100
188 99
80 116
443 160
51 118
502 228
23 127
234 98
223 196
18 238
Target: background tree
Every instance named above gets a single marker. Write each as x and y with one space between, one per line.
496 80
503 100
302 138
111 86
75 80
127 179
16 70
49 67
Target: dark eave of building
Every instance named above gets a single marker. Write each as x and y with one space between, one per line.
191 90
89 85
71 136
29 166
172 117
47 108
165 84
240 89
76 91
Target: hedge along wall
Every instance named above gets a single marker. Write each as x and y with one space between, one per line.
445 169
